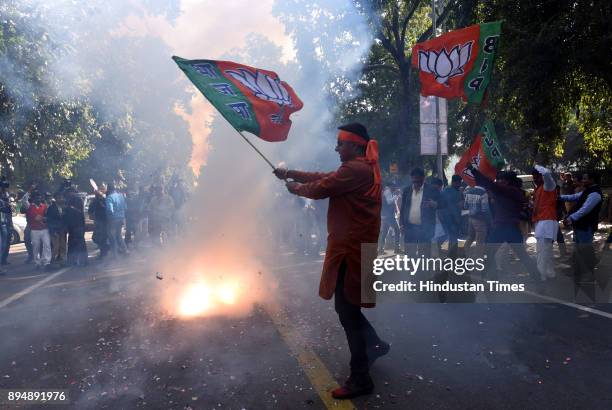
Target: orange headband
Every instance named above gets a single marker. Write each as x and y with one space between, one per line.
351 137
371 158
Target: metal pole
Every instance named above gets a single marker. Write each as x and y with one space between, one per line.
438 136
255 148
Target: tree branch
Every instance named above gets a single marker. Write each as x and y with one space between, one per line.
387 44
395 26
411 12
440 21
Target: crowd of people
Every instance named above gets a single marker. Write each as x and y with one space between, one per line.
499 212
56 223
493 216
123 220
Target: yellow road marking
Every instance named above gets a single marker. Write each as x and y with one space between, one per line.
29 289
319 376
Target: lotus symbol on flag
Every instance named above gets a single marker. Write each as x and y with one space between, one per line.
262 85
445 65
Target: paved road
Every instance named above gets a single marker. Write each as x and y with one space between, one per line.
100 333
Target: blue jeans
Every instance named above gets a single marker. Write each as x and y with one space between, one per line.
583 236
385 224
114 236
5 243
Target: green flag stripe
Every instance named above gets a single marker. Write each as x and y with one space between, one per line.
490 145
478 78
233 105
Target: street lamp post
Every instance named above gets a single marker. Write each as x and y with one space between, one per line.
438 136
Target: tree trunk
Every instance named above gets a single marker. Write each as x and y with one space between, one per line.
407 143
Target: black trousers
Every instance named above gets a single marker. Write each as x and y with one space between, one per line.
510 234
360 334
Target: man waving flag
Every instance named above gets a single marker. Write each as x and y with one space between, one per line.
458 63
484 155
250 99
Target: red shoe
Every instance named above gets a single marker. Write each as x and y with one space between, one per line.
353 389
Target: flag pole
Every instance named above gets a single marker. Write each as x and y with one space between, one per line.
256 150
440 166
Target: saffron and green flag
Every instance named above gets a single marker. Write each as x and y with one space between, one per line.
484 155
458 63
250 99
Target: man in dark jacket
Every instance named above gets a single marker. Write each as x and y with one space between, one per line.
418 214
74 221
509 202
584 218
97 212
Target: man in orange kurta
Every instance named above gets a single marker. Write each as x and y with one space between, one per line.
353 218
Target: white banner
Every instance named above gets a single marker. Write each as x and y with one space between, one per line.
429 144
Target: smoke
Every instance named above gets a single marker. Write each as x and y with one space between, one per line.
199 118
119 59
332 40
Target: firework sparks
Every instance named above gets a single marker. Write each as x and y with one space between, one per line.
195 301
202 298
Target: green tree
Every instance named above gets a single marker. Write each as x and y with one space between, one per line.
41 135
553 81
78 102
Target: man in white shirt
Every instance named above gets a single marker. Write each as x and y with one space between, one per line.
418 214
544 219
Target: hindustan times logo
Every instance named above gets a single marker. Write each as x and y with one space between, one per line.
403 263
